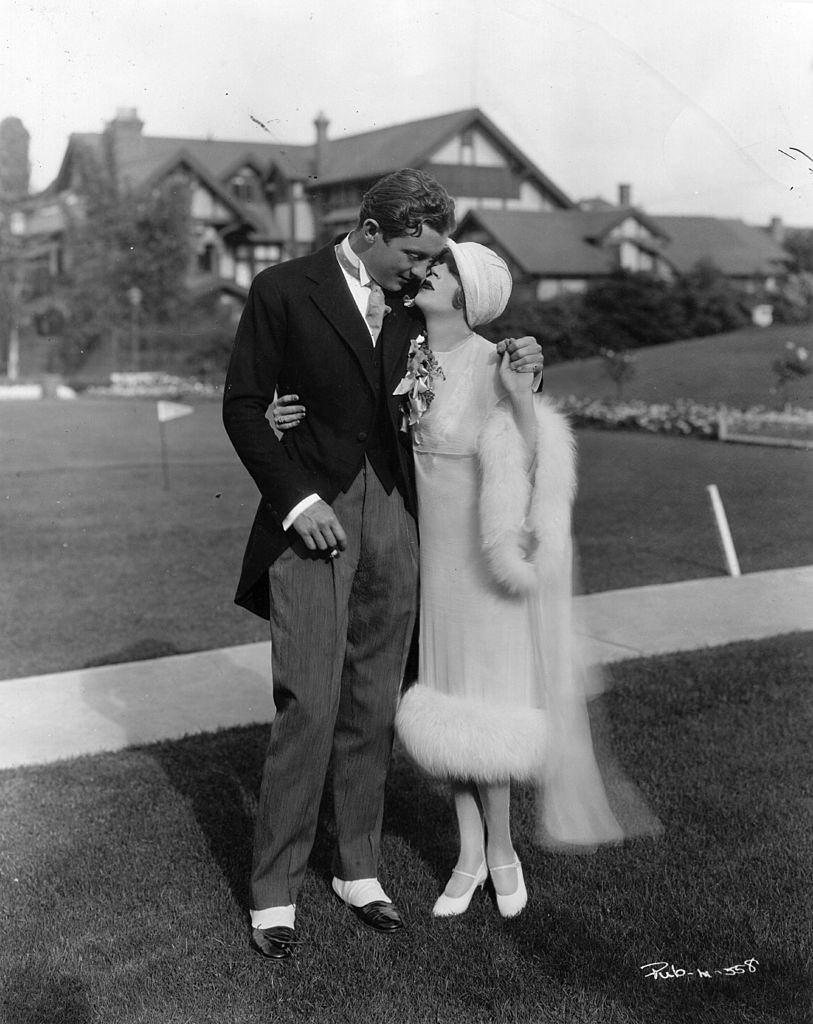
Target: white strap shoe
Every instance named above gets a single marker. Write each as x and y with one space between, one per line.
450 906
512 904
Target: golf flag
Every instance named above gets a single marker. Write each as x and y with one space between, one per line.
172 411
169 411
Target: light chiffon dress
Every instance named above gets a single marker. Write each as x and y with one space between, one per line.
475 639
501 689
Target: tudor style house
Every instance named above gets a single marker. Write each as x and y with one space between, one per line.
558 252
254 204
750 257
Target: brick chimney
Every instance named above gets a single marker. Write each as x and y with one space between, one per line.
776 229
320 153
124 144
625 195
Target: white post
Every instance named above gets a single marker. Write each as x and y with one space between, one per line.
723 532
13 361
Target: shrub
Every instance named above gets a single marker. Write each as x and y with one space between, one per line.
558 325
711 304
619 367
629 310
794 304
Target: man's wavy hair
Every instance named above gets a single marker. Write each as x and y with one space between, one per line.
402 202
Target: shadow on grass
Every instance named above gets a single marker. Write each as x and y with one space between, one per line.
141 650
418 811
217 773
30 998
117 903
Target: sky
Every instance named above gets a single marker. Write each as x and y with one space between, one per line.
702 106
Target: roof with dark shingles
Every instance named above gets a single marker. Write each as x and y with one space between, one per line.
367 155
736 248
557 244
598 223
219 156
549 244
380 150
371 154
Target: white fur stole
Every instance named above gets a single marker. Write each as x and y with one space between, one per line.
525 523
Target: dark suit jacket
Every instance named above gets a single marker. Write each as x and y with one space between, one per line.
301 333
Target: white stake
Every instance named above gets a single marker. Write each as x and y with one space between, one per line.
723 532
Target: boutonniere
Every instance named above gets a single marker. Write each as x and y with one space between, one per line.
418 384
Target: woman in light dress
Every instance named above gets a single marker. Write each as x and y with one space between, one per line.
499 694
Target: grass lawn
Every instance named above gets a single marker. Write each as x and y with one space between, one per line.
734 369
123 880
101 564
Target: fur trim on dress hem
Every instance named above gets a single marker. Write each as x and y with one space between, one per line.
456 737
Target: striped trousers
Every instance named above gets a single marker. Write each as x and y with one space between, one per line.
340 635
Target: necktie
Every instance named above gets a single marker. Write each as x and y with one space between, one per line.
377 309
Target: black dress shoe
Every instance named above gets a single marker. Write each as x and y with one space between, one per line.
382 916
273 943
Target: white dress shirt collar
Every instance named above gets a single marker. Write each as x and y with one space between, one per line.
364 277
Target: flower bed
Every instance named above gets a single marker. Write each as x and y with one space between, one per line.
154 385
791 426
687 418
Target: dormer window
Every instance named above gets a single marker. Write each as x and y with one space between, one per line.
242 188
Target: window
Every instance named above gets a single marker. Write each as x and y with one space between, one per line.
242 188
242 273
467 147
206 259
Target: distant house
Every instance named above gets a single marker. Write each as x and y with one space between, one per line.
750 257
255 204
559 252
478 165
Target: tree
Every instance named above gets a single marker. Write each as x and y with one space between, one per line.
12 290
619 367
8 298
712 304
120 241
557 324
793 365
630 310
799 243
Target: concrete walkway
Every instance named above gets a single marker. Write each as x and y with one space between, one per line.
49 717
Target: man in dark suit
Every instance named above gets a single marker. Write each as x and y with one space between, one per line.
332 557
